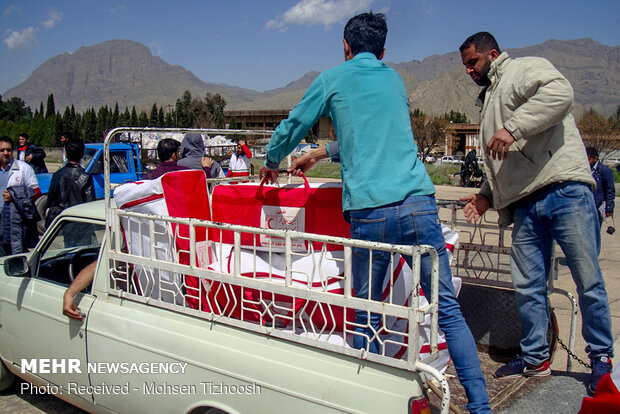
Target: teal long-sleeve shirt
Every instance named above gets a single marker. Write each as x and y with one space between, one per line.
368 105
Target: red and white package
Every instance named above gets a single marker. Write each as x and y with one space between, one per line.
311 208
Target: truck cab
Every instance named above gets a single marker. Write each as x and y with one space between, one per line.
125 166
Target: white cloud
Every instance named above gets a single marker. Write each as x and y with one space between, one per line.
317 12
12 8
55 17
156 48
118 9
25 39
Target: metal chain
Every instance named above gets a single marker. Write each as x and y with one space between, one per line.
575 357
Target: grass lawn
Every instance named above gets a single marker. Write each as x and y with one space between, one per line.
440 174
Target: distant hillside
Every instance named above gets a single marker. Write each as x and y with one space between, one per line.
126 72
120 71
439 83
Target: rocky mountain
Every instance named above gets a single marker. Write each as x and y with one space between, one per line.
126 72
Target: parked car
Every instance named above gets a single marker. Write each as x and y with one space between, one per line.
449 159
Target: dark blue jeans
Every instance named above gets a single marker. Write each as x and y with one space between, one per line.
565 213
414 221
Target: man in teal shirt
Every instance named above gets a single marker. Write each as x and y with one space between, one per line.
387 194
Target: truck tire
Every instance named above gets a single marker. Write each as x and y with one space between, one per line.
41 205
7 378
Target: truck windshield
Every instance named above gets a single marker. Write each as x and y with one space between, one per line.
89 153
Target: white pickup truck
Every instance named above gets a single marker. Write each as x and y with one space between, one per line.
136 352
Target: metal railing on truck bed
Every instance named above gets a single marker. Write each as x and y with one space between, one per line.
298 294
483 258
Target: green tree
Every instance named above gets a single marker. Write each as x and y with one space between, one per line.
114 121
154 117
417 113
183 105
456 117
125 118
16 110
89 126
133 119
143 119
161 120
50 110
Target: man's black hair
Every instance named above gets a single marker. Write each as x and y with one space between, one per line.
74 150
166 147
483 41
66 134
23 134
6 139
366 32
592 152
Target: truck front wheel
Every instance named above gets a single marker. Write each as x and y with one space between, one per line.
6 377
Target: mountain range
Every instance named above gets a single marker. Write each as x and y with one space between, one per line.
126 72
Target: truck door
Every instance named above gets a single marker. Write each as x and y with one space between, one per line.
120 168
33 325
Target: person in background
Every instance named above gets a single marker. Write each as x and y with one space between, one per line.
32 154
19 188
239 165
168 153
70 185
538 178
368 104
64 138
605 190
193 153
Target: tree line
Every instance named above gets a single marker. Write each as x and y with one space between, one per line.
45 125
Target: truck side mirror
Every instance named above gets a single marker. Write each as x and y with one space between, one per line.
17 266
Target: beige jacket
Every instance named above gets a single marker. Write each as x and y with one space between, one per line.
532 100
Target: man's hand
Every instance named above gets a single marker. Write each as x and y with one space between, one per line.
498 146
477 205
241 142
7 196
206 162
69 308
271 175
306 161
28 158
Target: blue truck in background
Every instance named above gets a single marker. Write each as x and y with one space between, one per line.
125 167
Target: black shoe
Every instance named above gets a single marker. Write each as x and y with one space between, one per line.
600 367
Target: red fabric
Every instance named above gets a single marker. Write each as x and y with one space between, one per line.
185 193
247 151
243 204
232 173
606 399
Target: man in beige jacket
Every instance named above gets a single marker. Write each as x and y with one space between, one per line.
538 178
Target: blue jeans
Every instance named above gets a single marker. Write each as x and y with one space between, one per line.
563 212
414 221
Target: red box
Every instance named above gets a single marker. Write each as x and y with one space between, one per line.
315 208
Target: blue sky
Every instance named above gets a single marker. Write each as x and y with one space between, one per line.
266 44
